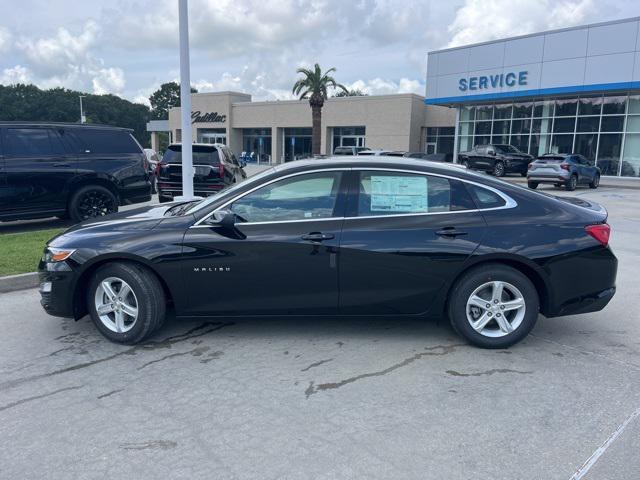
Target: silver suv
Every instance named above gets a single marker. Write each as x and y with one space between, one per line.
563 169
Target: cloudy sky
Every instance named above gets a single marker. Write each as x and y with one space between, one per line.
130 47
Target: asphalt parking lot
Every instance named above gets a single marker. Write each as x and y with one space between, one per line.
328 398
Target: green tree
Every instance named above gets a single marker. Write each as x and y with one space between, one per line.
351 93
167 96
29 103
314 85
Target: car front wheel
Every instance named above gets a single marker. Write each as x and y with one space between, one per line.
596 182
493 306
126 302
532 185
498 169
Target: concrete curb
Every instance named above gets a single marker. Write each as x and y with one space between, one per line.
22 281
604 183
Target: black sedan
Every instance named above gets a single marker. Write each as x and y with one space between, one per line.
496 159
375 236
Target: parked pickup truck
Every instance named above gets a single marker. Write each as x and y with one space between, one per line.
496 159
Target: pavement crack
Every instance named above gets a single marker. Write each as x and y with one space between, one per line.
196 352
38 397
154 444
487 372
108 394
429 351
195 332
316 364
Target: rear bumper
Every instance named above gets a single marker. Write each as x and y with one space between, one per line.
588 303
547 178
201 190
136 193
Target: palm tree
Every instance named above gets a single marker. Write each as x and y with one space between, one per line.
314 86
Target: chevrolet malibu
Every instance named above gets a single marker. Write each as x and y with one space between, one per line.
349 236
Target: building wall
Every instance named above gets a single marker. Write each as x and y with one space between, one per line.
593 57
391 121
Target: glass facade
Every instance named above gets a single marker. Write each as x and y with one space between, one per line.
603 128
440 140
256 145
348 137
297 143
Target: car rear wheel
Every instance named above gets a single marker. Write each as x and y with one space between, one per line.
92 201
572 183
498 169
532 185
493 306
595 183
126 302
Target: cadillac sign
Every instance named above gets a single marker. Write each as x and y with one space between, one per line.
207 117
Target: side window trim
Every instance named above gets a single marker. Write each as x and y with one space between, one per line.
352 173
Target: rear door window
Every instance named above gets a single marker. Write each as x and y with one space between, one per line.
95 140
486 198
397 193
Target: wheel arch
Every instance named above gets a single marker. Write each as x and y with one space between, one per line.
525 266
103 181
81 285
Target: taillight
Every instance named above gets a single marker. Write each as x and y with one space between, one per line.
565 166
600 232
221 169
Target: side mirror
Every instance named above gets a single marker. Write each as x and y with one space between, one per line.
223 218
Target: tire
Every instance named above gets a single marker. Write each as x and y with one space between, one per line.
477 283
596 182
572 183
92 201
162 199
154 185
532 185
146 295
498 169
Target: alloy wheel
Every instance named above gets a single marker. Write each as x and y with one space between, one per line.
116 304
495 309
95 203
499 169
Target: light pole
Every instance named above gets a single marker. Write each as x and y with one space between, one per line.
185 102
83 119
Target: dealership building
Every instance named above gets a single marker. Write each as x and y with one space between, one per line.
280 131
570 90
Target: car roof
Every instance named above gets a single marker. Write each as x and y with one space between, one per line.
557 155
197 144
380 161
62 124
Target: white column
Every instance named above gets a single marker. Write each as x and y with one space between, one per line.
456 135
185 103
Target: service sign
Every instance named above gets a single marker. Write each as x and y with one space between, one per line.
491 82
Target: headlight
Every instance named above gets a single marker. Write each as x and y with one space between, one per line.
55 255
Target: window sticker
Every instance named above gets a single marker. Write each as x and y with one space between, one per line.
399 194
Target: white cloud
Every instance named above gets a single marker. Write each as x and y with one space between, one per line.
108 80
482 20
379 86
17 74
5 39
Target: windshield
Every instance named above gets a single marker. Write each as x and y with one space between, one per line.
228 191
201 155
507 149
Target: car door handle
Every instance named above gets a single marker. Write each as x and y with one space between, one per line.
318 236
450 232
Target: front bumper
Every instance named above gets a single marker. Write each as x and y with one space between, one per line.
56 291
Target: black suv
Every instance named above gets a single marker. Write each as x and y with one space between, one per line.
69 170
496 159
215 167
